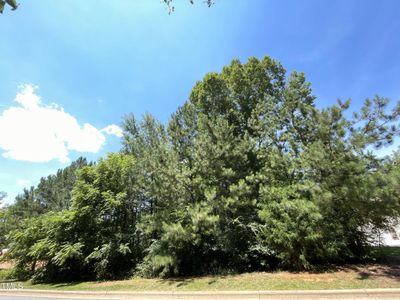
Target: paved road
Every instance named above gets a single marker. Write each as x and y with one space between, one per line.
295 295
34 298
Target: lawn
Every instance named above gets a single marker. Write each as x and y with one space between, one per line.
384 273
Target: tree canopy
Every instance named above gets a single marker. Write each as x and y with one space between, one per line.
248 174
2 196
12 3
53 193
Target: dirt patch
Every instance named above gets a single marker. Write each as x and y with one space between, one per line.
388 271
6 265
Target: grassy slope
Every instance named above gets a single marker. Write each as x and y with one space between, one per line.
251 281
385 274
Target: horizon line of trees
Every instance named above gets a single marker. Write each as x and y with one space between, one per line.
248 174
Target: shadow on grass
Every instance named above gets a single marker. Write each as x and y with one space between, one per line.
372 270
383 262
178 281
363 275
9 280
385 271
64 284
184 281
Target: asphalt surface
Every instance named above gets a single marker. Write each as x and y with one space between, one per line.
387 294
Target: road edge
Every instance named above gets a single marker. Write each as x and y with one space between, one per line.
198 294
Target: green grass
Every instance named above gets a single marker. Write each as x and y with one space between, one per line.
244 282
5 274
348 277
385 273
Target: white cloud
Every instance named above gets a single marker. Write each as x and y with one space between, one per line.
113 129
27 97
36 132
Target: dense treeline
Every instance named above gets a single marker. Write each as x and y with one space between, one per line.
247 175
53 193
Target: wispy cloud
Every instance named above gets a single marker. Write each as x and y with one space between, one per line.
23 183
32 131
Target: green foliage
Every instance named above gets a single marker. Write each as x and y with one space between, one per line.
3 223
53 193
96 236
248 174
290 228
41 246
184 247
2 196
12 3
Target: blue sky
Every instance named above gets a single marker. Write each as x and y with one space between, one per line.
99 60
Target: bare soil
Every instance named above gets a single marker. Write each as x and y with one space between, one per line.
4 265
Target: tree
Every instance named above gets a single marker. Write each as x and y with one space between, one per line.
3 226
12 3
2 196
106 207
247 175
53 193
279 180
97 237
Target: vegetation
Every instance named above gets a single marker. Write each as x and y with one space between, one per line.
2 213
53 193
383 273
247 175
344 279
12 3
2 196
